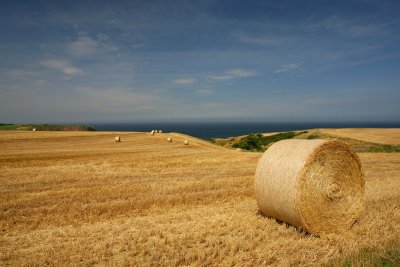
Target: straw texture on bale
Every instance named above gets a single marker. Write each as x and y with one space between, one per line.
186 142
117 139
169 139
316 185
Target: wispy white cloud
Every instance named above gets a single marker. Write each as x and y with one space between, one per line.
63 66
353 27
263 40
232 74
242 73
184 81
40 82
204 92
160 90
287 68
85 45
221 77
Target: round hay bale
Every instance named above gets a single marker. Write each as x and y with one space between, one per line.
316 185
186 142
238 149
34 130
169 139
152 132
117 139
160 131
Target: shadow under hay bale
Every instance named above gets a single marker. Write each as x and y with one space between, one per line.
286 225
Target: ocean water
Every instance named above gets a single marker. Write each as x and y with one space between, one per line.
229 129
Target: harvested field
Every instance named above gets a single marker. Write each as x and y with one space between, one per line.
70 198
374 135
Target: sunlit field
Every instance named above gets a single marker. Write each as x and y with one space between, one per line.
380 136
79 198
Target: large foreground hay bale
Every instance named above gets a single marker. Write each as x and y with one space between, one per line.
316 185
117 139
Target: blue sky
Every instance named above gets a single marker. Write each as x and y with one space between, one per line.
128 61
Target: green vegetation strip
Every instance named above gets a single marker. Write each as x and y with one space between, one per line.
258 142
8 127
314 136
371 257
45 127
384 149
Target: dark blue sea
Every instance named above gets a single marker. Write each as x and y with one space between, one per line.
229 129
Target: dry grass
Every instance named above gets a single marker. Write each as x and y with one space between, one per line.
70 198
380 136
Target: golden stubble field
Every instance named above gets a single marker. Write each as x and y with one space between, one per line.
375 135
78 198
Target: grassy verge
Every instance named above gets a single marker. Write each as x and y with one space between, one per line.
314 136
373 257
8 127
45 127
258 142
384 149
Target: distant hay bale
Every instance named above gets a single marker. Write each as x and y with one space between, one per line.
117 139
156 131
186 142
238 149
160 131
34 130
169 139
316 185
152 132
